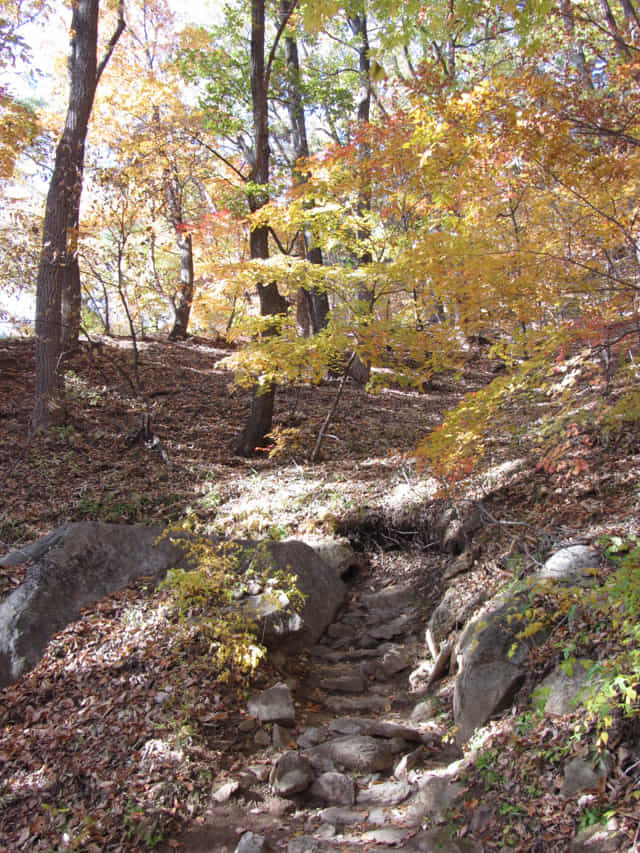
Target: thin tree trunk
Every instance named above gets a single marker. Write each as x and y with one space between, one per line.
58 258
184 297
260 418
312 304
360 371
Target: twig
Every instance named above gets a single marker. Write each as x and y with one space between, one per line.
333 408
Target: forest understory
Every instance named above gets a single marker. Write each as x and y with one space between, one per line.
74 772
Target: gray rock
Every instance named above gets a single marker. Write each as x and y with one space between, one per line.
358 752
312 737
459 566
291 774
339 630
338 817
438 792
384 794
334 788
396 597
598 839
224 792
409 762
274 705
74 566
336 553
79 563
303 844
388 630
386 835
375 728
252 843
439 841
378 817
319 583
393 661
424 711
260 771
560 691
492 664
580 775
453 611
281 738
355 704
573 565
354 682
262 738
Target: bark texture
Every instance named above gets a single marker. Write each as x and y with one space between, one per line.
58 270
260 418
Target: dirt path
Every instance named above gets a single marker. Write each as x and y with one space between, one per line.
361 722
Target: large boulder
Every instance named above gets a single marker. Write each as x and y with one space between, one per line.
492 659
492 664
79 563
72 567
319 583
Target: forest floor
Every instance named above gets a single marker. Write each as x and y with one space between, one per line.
75 773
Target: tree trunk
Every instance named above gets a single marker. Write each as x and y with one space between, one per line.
312 304
184 296
260 418
71 308
360 371
58 267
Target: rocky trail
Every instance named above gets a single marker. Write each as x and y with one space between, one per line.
344 752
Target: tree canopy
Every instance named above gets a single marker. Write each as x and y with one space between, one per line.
470 172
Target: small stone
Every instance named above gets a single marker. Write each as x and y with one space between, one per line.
246 726
223 793
424 711
438 792
251 843
561 690
260 771
394 660
409 762
279 807
384 793
375 728
273 706
395 597
334 788
579 776
355 704
291 774
337 816
576 564
387 835
261 738
391 629
337 630
378 817
303 844
312 737
281 737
